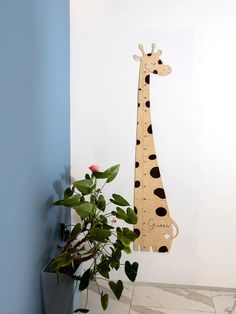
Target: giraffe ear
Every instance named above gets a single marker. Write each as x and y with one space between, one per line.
137 58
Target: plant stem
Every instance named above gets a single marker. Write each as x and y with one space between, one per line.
97 287
80 242
103 186
86 303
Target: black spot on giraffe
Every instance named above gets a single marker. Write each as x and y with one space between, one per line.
147 79
155 172
140 89
136 164
155 72
137 184
138 142
163 249
160 193
135 210
149 129
161 211
137 232
152 157
138 104
149 54
147 104
159 61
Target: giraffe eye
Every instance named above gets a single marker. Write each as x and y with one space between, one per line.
159 61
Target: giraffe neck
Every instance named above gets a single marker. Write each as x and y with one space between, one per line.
144 125
144 79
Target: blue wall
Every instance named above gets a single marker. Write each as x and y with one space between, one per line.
35 145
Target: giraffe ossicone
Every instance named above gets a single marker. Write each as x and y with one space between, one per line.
155 228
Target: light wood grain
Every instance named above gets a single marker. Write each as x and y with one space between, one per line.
155 227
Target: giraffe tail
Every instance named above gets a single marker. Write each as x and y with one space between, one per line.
176 229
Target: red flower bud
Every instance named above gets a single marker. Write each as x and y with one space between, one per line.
94 168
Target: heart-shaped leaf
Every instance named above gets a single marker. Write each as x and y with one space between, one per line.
84 210
84 186
81 311
126 236
104 269
113 171
101 175
117 288
101 203
76 230
70 201
131 270
120 214
104 301
119 200
84 281
100 235
69 192
132 217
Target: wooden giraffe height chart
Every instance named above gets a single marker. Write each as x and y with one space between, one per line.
155 226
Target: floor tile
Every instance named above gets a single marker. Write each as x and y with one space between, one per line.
222 293
176 298
138 309
225 302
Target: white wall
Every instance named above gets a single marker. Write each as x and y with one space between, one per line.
193 113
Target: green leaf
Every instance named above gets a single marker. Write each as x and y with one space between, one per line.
104 301
117 254
108 174
100 235
93 199
126 236
117 288
127 250
84 210
129 216
132 217
84 186
131 270
84 281
69 192
81 311
121 214
76 230
103 220
62 260
71 201
115 258
131 235
119 200
101 204
113 171
101 175
104 269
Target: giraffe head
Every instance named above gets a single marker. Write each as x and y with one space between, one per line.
152 62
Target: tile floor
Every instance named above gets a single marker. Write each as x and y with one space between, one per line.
151 299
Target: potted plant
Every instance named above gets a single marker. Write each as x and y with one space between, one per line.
95 238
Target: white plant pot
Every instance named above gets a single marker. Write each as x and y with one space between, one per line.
57 296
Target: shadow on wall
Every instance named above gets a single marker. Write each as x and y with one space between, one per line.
54 216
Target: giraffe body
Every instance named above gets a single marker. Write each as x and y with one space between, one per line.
155 226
